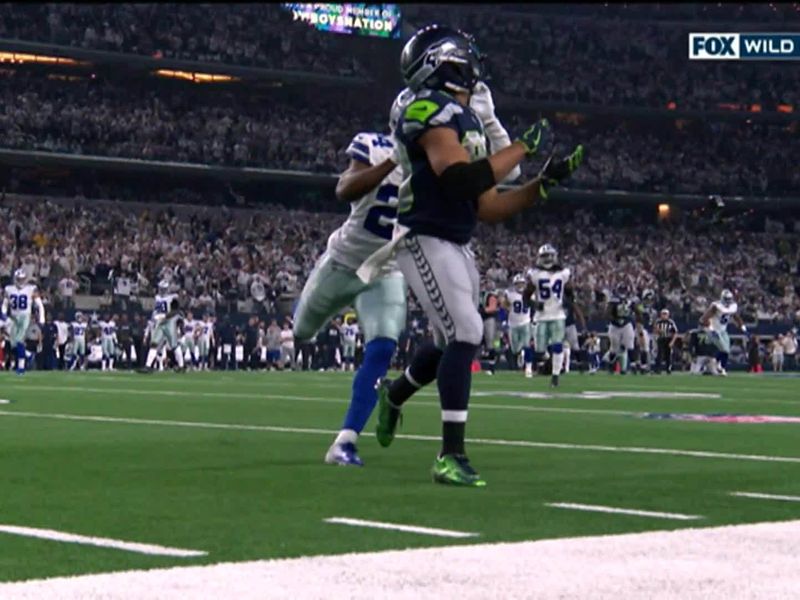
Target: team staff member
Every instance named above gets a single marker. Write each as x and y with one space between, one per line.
449 183
666 333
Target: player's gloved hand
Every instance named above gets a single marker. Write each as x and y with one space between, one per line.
555 171
538 137
482 103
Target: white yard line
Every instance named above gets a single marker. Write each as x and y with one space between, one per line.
3 401
72 538
624 511
422 438
398 527
325 400
759 496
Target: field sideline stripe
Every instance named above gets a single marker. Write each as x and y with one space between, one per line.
760 496
397 527
324 400
624 511
422 438
72 538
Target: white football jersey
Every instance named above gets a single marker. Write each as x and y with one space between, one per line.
189 327
207 329
720 320
372 218
350 332
518 313
163 303
20 300
79 329
107 328
549 292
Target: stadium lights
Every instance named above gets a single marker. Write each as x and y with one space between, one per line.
20 58
663 211
196 77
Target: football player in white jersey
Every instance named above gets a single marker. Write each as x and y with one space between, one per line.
205 341
519 322
18 300
370 184
191 333
349 337
716 320
77 330
108 341
546 286
166 313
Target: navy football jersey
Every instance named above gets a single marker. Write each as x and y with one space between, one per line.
422 206
621 311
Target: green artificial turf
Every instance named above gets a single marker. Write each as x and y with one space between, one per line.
169 477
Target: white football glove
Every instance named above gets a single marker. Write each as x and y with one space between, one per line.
482 103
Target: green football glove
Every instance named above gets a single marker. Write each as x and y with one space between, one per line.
555 171
537 136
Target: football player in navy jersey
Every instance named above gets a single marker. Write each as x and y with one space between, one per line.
449 183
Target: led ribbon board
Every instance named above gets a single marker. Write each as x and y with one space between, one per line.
378 20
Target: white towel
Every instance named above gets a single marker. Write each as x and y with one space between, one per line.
371 267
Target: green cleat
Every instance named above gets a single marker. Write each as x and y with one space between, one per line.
388 415
455 470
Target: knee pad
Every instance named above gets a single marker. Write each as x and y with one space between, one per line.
425 364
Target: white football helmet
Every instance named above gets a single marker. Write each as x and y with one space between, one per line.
726 298
648 296
163 286
519 282
20 277
547 257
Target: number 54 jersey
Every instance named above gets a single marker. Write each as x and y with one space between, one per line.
372 217
549 293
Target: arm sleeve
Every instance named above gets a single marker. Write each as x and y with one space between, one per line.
40 307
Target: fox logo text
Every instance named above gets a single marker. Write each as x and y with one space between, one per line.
714 46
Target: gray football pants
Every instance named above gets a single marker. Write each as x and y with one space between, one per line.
445 280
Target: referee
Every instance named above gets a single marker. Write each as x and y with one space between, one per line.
666 332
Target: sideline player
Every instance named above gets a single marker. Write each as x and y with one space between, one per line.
547 286
449 184
164 333
519 324
620 328
18 300
716 320
108 342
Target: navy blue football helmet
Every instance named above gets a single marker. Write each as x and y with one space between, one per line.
441 58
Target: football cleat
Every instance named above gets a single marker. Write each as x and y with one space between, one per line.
554 381
343 455
454 469
388 415
145 370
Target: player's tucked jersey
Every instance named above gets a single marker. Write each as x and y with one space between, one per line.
621 311
372 217
206 330
722 316
549 292
423 208
20 300
163 304
350 333
79 329
519 313
108 329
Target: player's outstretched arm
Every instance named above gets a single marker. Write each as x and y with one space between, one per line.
360 179
740 323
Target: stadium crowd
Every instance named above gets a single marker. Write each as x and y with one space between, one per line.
218 257
609 61
171 122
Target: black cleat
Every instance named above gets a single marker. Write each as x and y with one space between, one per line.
554 381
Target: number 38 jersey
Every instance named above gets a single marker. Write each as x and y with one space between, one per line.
372 217
163 303
518 312
20 300
549 292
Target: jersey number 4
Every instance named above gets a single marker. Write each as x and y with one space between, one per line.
18 302
380 219
545 289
